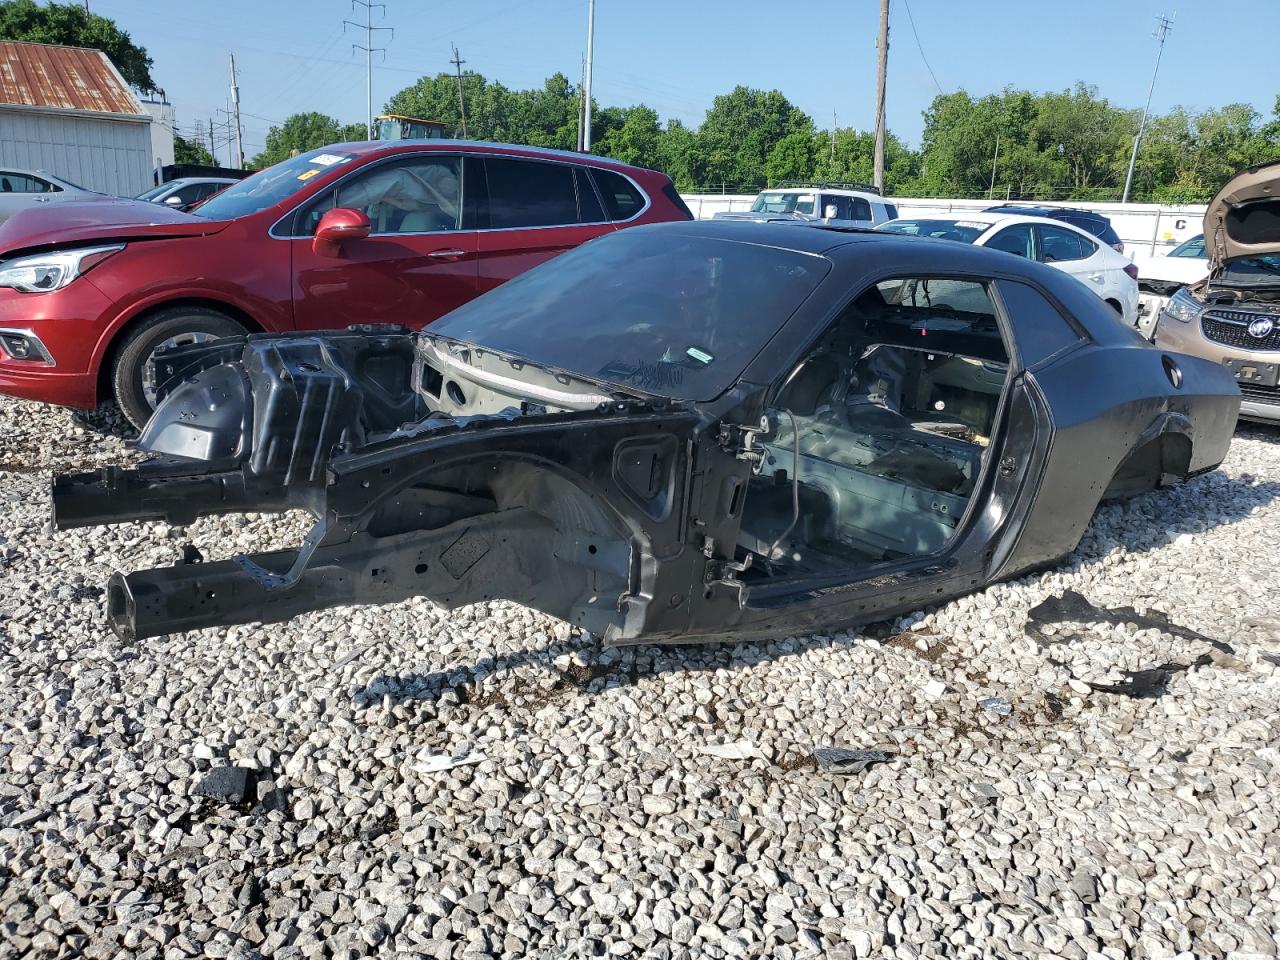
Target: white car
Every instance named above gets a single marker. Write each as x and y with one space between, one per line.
823 204
1107 273
1160 277
22 189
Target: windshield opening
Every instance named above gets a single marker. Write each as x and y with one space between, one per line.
802 203
961 231
268 187
153 192
648 310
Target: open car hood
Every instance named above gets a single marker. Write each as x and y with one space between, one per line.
1243 219
87 221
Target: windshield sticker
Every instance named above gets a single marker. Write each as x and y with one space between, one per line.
329 159
700 355
308 174
972 224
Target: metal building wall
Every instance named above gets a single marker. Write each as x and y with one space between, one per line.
112 156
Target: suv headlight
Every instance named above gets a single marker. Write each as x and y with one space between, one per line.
1182 306
42 272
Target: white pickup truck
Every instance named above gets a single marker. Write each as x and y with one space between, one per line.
836 204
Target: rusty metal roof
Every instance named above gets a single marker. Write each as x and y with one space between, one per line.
62 78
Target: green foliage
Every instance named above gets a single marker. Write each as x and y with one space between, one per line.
191 151
302 132
1062 145
71 25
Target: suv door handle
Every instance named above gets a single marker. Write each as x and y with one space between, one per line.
452 253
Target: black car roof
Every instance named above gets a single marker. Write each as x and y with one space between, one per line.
1030 211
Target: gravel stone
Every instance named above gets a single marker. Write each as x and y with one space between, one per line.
610 808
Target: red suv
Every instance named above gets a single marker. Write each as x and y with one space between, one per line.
351 233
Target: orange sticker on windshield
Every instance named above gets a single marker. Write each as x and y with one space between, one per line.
308 174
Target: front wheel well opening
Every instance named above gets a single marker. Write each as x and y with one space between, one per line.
113 348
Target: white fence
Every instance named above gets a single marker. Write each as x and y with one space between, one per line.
1147 229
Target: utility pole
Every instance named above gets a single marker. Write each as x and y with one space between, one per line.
235 113
213 149
834 121
462 106
991 189
369 49
1163 26
882 70
586 92
582 83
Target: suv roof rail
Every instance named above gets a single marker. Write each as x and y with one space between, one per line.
829 185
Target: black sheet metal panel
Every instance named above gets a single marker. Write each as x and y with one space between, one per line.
624 518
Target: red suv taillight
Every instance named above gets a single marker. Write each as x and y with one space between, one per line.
1132 270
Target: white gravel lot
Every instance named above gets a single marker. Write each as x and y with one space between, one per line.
594 823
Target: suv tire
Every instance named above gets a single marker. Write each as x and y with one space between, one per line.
198 323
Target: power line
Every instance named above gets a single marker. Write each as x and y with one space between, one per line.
912 20
369 49
1163 26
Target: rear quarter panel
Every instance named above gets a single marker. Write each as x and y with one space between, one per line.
1105 402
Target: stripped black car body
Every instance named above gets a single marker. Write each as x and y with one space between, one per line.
818 478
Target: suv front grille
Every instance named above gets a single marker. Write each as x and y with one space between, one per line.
1231 327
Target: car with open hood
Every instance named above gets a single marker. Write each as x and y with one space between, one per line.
706 430
1232 316
350 233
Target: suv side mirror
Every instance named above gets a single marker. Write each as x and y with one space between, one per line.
172 200
337 225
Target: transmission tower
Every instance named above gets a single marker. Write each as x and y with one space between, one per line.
369 49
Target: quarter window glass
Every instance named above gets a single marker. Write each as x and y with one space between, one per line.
1059 246
523 193
861 209
891 211
1015 240
588 202
1039 329
623 200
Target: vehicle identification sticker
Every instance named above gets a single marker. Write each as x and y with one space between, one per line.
308 174
329 159
700 355
972 224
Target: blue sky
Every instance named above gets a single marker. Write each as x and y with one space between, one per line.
676 56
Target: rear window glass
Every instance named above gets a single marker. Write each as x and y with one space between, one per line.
648 309
525 193
622 198
959 230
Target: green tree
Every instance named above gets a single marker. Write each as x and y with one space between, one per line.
792 158
71 24
191 151
632 137
677 155
305 131
740 131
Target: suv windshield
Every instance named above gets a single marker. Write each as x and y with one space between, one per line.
153 192
270 186
648 309
962 231
801 203
1191 248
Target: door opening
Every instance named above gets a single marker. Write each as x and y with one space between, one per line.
880 435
